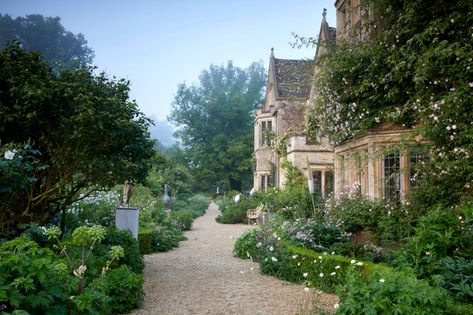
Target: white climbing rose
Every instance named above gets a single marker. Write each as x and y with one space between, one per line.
9 155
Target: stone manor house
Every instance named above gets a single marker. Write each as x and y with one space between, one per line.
365 164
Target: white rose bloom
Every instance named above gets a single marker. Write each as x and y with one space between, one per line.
9 155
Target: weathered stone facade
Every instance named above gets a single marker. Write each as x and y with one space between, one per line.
288 93
377 164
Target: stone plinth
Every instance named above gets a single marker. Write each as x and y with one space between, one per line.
127 219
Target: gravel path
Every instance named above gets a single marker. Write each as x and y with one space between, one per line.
203 277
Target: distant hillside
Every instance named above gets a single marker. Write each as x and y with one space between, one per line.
162 131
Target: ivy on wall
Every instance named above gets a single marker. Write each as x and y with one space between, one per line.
414 70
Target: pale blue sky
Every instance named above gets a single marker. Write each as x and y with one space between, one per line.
158 44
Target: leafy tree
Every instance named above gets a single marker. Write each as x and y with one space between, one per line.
414 70
216 124
168 170
47 36
62 134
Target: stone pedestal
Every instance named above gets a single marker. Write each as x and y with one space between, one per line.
127 219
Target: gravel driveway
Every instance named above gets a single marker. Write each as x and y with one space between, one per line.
203 277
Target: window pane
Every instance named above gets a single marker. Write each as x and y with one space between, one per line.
263 137
317 176
328 183
391 176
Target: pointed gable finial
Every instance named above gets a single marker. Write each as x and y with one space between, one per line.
272 52
324 14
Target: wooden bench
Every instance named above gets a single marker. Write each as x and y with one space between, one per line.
253 214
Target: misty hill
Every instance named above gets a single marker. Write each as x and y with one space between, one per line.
162 131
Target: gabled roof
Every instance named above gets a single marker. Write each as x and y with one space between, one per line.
293 77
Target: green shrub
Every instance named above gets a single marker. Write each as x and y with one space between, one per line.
235 212
389 222
198 204
96 209
160 239
456 275
166 237
249 245
179 204
323 270
124 287
441 233
145 240
183 218
385 291
133 257
278 262
33 279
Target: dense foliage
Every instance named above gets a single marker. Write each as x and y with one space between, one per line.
215 124
63 134
345 245
46 35
169 168
38 280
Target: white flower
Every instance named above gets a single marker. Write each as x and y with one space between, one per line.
359 264
259 244
352 262
279 238
271 248
298 264
454 127
80 271
305 274
294 256
470 84
274 259
333 253
335 306
306 289
381 280
321 274
333 273
241 271
9 155
320 257
337 267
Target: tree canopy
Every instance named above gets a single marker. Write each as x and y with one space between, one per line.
215 121
47 36
414 70
62 134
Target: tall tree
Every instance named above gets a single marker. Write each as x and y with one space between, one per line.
62 134
47 36
215 120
